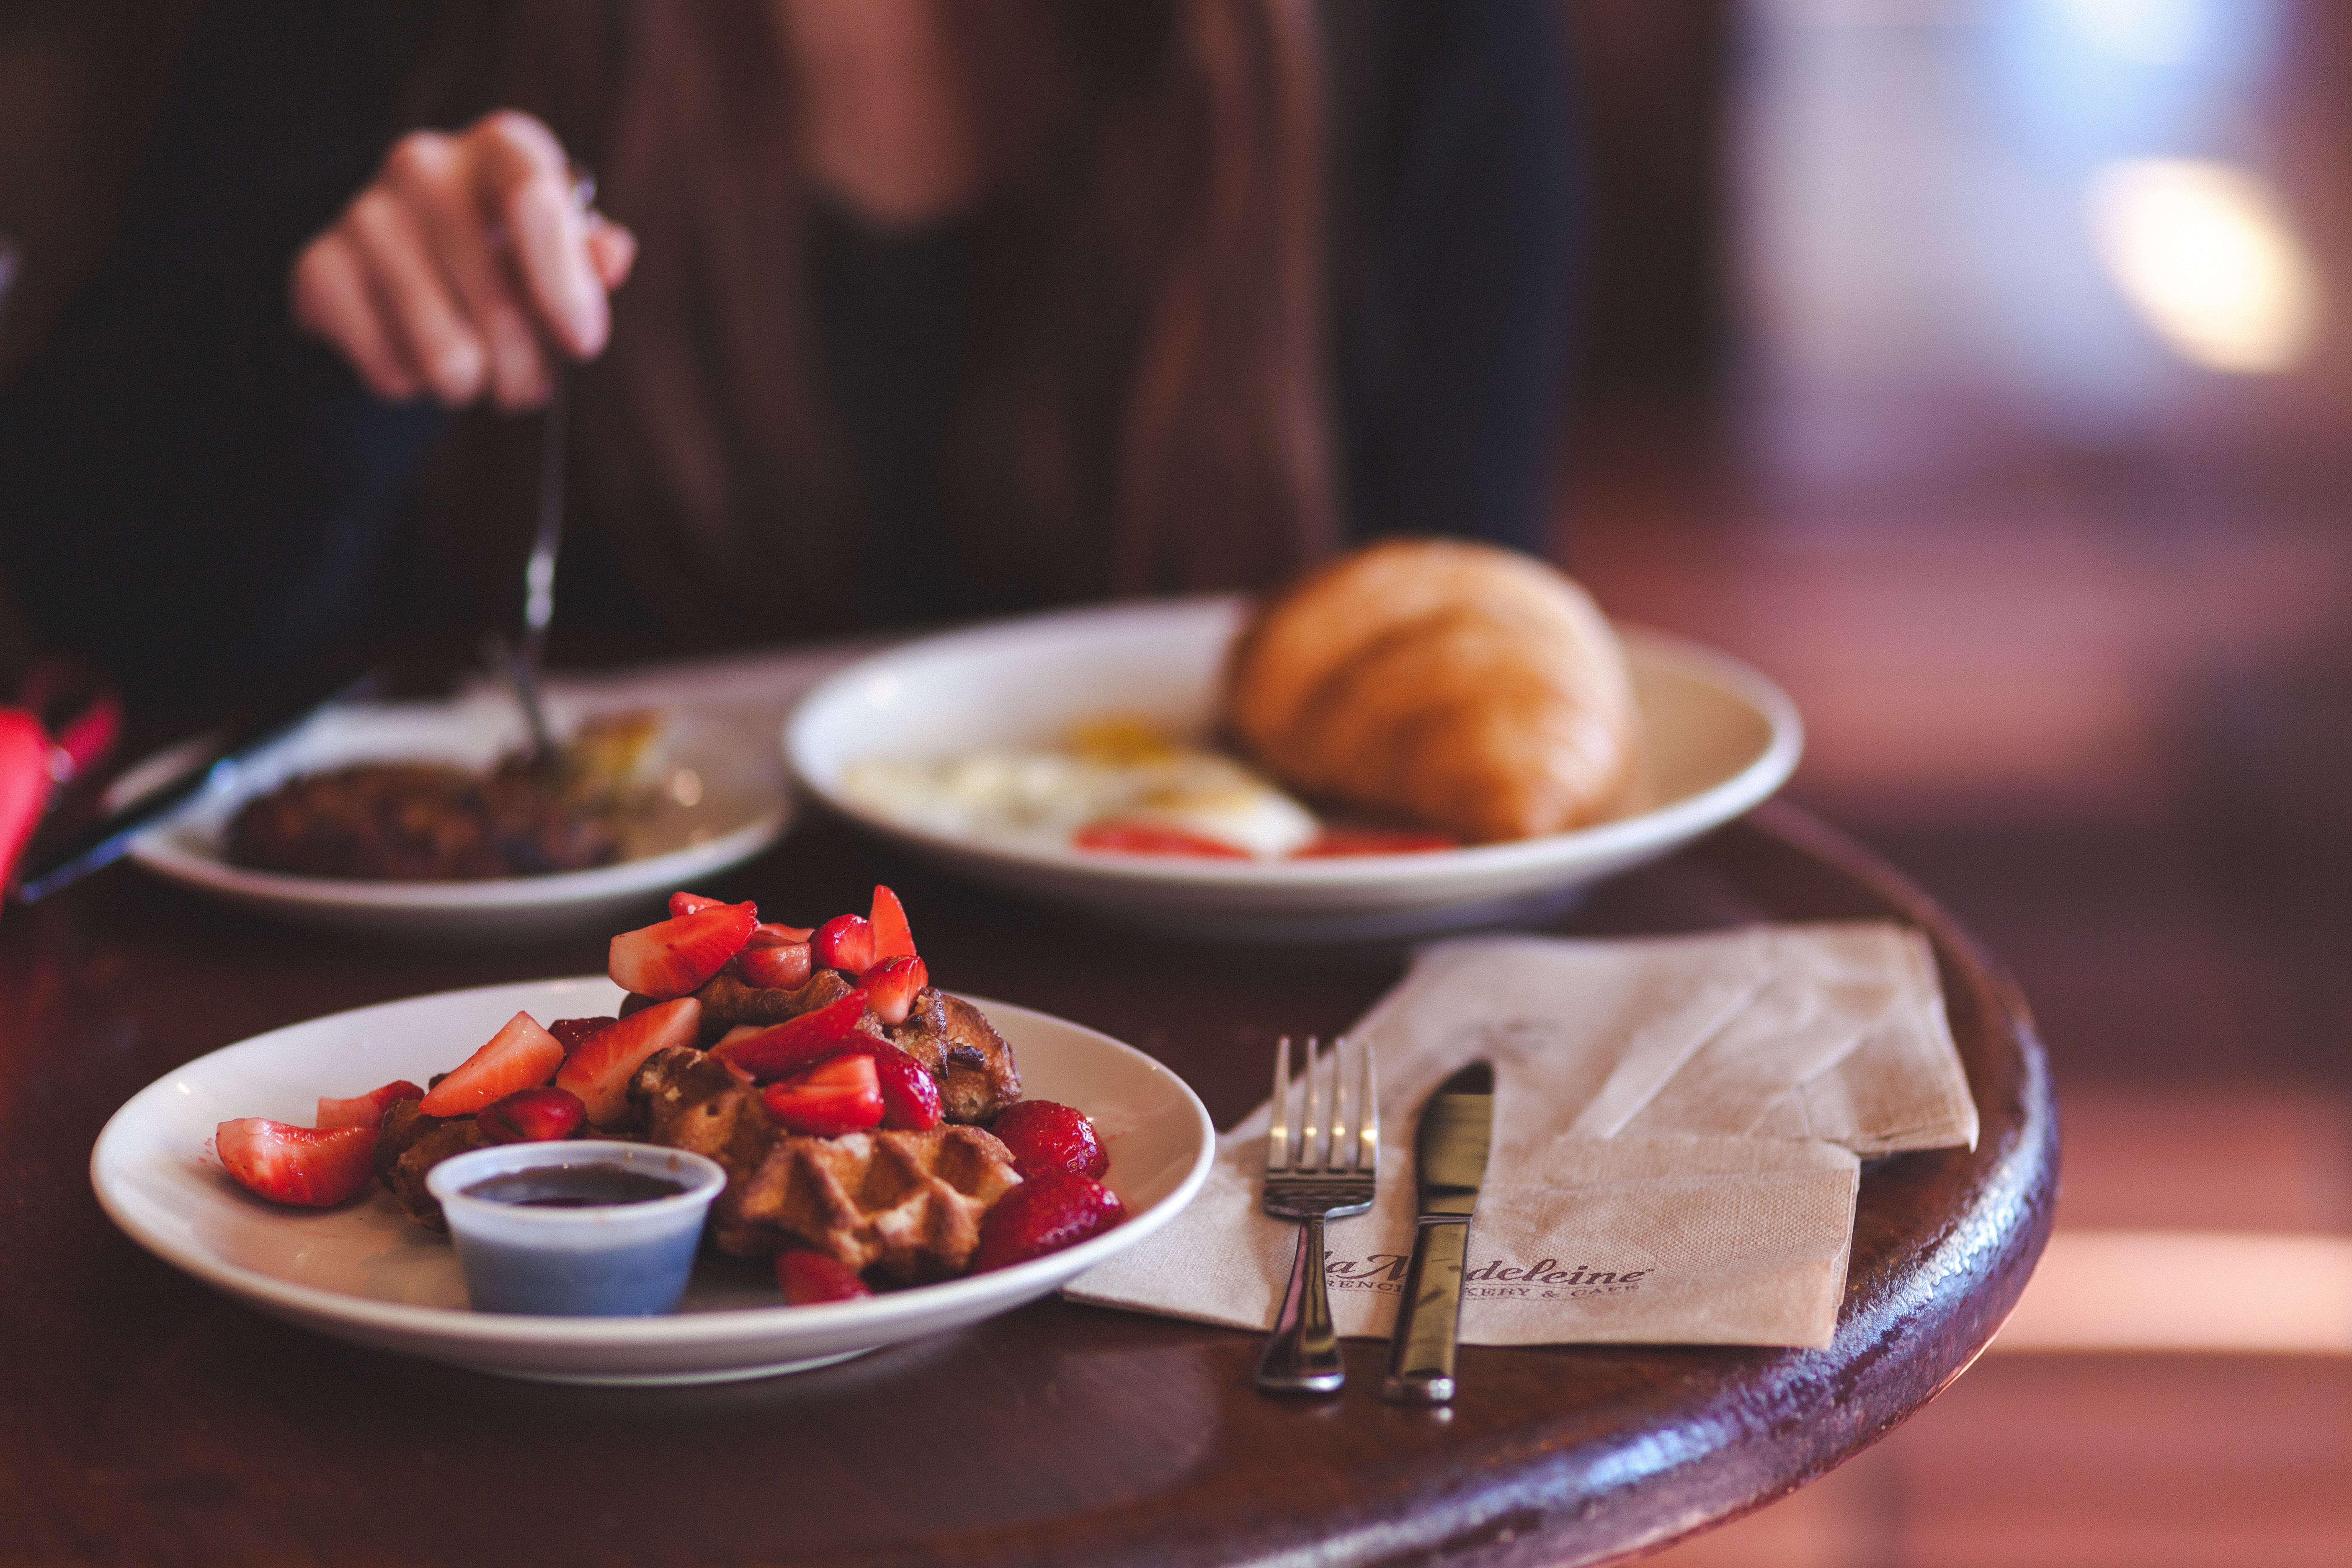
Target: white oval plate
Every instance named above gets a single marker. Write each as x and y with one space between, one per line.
1718 738
739 807
367 1273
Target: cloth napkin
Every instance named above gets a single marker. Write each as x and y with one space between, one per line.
1678 1132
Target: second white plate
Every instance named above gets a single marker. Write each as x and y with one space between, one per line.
1717 738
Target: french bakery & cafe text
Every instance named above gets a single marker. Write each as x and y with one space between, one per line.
1544 1279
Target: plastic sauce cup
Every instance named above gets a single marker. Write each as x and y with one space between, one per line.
582 1229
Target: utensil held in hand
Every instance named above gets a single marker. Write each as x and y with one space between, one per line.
1328 1176
1449 1167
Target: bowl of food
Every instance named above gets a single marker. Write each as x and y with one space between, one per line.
1005 752
422 820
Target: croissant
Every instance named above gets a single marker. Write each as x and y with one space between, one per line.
1461 686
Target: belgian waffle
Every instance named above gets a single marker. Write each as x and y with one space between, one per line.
906 1206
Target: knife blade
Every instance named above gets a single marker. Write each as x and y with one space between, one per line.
1449 1166
48 867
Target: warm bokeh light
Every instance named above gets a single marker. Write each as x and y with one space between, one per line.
2208 258
2187 1290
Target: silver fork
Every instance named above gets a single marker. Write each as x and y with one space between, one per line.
1327 1173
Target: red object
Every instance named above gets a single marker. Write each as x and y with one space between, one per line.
844 1095
599 1068
845 941
570 1033
891 987
1044 1214
366 1110
25 783
1045 1137
796 1044
768 933
1334 842
695 903
893 938
674 957
910 1095
308 1167
543 1115
1150 838
520 1056
784 967
808 1278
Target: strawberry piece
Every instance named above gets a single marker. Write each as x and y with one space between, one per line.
1045 1137
695 903
892 936
310 1167
544 1115
844 1095
599 1068
808 1278
520 1056
910 1095
366 1110
778 968
569 1032
768 933
796 1044
1334 842
891 987
674 957
1044 1214
1150 838
25 782
845 941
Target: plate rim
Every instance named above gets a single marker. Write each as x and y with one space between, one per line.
492 1332
1670 821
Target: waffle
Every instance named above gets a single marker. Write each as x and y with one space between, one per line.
904 1205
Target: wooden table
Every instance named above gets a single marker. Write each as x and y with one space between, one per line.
145 1419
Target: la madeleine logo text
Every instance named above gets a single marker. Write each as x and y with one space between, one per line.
1541 1280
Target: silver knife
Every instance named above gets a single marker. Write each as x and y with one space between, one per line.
1449 1166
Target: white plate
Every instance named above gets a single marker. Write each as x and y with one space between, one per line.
367 1273
738 808
1717 738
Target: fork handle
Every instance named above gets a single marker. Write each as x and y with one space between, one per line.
1303 1355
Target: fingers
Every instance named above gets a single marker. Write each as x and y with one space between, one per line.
464 266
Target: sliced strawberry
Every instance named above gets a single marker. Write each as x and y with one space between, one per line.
891 987
844 1095
845 941
520 1056
910 1095
569 1032
808 1278
1044 1214
796 1044
313 1167
782 968
695 903
1335 842
1047 1137
768 933
892 936
543 1115
599 1068
366 1110
1150 838
673 957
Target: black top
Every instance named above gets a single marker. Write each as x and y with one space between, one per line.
192 495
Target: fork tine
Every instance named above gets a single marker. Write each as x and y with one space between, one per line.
1278 1137
1367 1114
1310 1112
1343 1153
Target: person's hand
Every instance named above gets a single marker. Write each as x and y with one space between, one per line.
465 264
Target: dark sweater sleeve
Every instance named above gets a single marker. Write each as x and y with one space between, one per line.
193 495
1455 220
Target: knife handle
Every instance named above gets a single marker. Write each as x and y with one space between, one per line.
1421 1352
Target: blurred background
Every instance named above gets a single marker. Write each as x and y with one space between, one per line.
1982 370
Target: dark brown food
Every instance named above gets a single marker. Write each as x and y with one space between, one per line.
905 1206
418 822
977 1074
728 1002
412 1143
